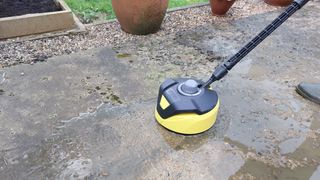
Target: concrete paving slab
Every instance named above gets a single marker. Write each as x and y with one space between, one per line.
90 115
95 145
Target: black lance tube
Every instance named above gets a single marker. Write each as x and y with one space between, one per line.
223 69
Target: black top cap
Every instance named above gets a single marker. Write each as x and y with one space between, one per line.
204 100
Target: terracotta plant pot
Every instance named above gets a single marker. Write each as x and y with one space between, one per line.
279 2
220 7
140 17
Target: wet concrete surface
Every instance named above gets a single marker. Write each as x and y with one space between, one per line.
90 115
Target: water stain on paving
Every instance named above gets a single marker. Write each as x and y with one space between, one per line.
183 142
62 155
121 75
260 170
243 148
114 141
308 156
304 160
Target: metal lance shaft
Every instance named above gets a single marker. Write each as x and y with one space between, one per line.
223 69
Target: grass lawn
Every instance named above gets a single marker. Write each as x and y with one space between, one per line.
90 10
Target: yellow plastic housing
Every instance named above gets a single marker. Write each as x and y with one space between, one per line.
188 123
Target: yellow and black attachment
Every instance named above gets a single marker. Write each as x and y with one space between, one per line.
188 106
185 107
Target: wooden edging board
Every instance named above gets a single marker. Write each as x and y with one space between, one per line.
38 23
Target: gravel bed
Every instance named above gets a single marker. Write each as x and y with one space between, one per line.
110 34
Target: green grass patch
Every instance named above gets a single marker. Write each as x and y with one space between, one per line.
90 10
179 3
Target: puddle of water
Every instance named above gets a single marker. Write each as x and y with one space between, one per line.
308 151
262 171
307 157
183 142
233 143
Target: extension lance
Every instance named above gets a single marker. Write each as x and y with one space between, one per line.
190 106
